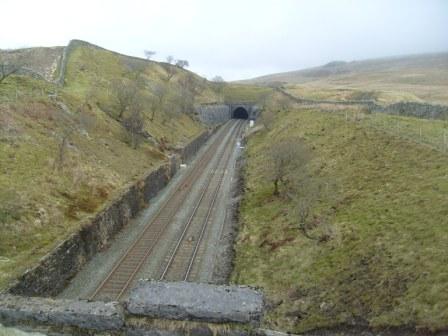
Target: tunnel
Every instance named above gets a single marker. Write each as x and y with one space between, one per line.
240 113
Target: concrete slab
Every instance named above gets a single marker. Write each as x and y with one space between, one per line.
195 301
74 313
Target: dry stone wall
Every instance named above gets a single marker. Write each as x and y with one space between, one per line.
411 109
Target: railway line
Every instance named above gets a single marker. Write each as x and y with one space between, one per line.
186 248
182 258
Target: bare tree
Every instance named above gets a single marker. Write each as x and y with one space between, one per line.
149 54
308 189
218 79
267 118
189 89
170 59
9 64
182 64
170 71
134 123
124 94
286 158
218 85
62 148
159 91
172 106
284 102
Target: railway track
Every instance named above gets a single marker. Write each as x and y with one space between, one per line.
179 263
122 275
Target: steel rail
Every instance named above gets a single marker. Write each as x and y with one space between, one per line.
227 155
182 190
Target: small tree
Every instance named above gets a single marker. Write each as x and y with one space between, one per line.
62 148
170 59
218 85
190 88
267 118
286 158
124 94
284 103
134 123
170 71
182 64
307 191
305 194
159 92
149 54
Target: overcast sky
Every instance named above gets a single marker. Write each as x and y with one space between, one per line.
234 38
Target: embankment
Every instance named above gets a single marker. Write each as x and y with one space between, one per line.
50 276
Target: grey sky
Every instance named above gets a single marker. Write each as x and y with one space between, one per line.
234 38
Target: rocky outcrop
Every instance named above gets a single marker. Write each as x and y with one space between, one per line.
41 63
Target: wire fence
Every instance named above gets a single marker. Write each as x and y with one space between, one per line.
429 132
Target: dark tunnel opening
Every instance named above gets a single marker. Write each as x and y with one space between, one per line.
240 113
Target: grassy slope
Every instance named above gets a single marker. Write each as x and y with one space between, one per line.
39 205
386 208
388 80
244 93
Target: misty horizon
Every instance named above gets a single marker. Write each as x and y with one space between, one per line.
237 40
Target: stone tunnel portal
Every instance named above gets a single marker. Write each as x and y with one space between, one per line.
240 113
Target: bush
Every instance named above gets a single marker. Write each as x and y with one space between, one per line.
87 199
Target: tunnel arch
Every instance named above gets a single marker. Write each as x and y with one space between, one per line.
240 113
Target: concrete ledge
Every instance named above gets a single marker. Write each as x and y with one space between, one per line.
73 313
193 301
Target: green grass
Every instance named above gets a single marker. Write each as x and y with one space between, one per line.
433 133
41 205
244 93
385 206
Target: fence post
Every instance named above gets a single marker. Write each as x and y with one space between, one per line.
445 141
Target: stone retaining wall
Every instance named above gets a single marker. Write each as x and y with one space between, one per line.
214 113
187 153
153 308
54 270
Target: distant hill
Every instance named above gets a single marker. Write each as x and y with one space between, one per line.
414 78
427 62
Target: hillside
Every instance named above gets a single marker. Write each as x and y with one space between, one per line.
355 235
387 80
65 150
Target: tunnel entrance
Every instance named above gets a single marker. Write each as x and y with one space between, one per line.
240 113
